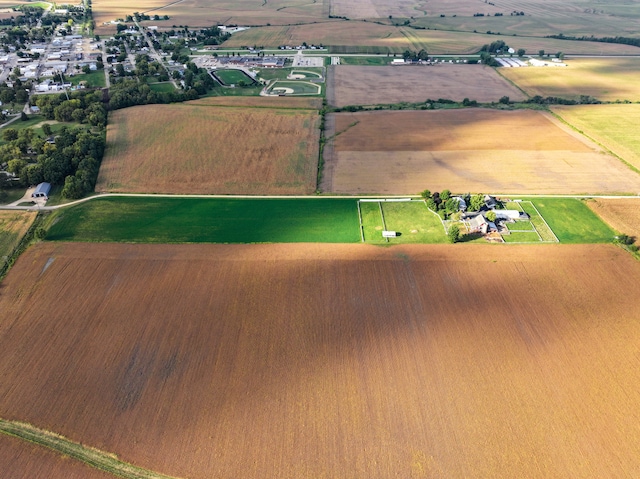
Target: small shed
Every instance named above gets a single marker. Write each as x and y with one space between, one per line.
512 215
42 191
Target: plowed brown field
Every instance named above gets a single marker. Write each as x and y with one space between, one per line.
519 152
23 460
189 148
281 361
622 214
367 85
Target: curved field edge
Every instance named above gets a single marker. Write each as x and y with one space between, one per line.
96 458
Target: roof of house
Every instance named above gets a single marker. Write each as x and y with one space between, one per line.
477 221
42 188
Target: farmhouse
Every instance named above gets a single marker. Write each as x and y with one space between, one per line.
480 224
42 191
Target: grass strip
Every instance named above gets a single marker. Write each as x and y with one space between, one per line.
26 240
96 458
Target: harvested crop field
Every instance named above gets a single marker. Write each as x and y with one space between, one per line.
366 85
105 11
612 126
261 102
203 13
515 152
187 148
622 214
270 361
13 226
607 79
20 459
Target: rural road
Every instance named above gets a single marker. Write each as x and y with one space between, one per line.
342 197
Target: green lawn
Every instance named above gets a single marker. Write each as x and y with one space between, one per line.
233 77
367 61
299 87
521 237
414 222
94 79
372 222
164 87
238 91
193 220
572 221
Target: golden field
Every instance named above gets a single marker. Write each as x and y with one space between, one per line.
199 148
607 79
612 126
512 152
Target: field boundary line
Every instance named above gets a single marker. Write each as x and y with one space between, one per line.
444 226
605 148
360 219
95 458
545 221
384 226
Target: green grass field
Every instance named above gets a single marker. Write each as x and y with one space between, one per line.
366 61
572 221
238 91
94 79
233 77
193 220
414 222
522 237
164 87
299 87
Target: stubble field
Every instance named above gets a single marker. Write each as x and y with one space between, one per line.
613 126
368 37
269 361
622 214
607 79
191 148
515 152
202 13
13 226
368 85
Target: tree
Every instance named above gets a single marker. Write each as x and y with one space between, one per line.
491 216
23 116
445 195
521 52
426 194
10 134
477 202
540 53
504 100
454 233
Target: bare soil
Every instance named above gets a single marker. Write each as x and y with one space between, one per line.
477 150
282 361
20 459
369 85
